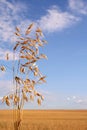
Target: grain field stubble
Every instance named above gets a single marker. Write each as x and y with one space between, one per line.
46 120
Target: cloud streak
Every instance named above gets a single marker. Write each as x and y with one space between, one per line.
10 15
79 6
56 20
77 100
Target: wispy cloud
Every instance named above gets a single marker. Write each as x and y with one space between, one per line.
77 100
10 15
79 6
14 13
56 20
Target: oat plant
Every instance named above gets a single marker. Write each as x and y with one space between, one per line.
26 73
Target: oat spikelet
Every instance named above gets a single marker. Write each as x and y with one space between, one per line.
16 99
31 25
26 89
35 74
39 31
17 29
43 56
42 97
2 68
38 94
27 32
25 42
44 41
31 97
27 81
7 56
17 34
39 101
4 98
33 82
18 80
30 91
40 44
15 47
22 70
21 38
42 79
24 96
35 92
11 96
29 29
7 102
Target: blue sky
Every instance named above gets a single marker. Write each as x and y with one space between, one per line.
64 24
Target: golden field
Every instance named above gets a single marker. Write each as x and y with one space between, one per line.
46 120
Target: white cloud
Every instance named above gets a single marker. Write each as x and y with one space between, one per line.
74 97
55 20
79 6
10 15
68 98
77 100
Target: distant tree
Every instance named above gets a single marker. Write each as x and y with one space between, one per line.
26 74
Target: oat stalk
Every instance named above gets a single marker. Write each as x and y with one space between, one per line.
27 74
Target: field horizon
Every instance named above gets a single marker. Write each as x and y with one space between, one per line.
46 120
